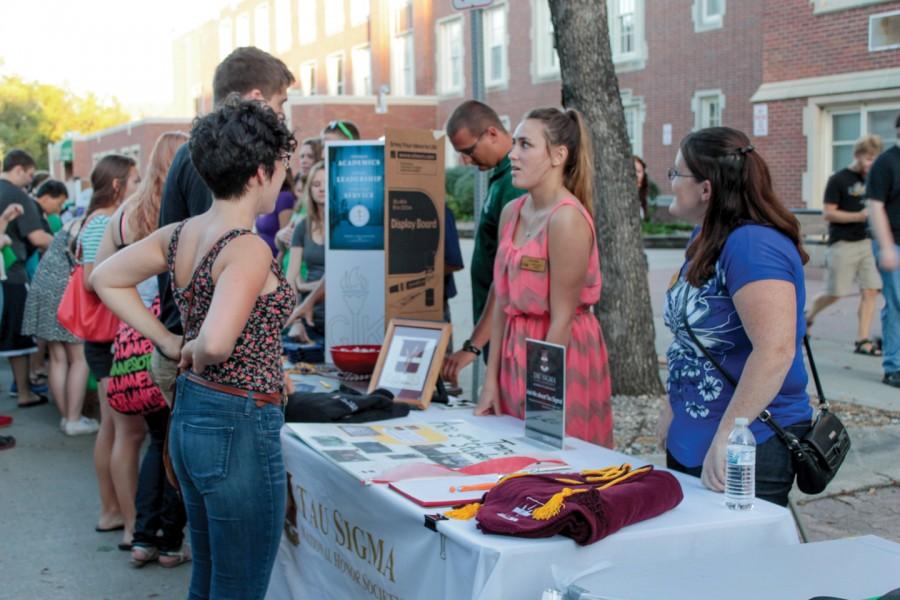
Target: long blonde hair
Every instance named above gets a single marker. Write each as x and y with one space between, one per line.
315 218
144 203
567 128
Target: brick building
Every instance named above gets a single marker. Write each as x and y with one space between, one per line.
806 77
77 156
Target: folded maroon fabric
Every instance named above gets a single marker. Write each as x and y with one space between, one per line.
586 516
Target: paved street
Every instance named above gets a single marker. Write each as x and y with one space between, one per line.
49 503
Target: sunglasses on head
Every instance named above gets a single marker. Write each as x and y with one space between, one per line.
339 126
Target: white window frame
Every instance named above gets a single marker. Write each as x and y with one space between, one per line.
361 87
703 21
307 15
284 30
697 105
359 11
445 86
334 17
826 6
226 37
638 108
133 151
637 57
542 69
242 30
309 84
486 15
403 74
339 87
872 20
262 34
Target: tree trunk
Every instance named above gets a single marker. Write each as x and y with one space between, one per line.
589 84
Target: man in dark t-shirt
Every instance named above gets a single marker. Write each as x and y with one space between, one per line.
253 74
849 255
25 233
883 192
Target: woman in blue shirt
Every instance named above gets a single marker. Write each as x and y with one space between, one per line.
742 292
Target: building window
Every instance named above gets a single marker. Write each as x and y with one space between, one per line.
284 34
708 14
626 33
306 21
826 6
494 25
847 126
308 78
133 152
242 30
884 31
334 69
634 121
226 43
359 11
544 57
708 106
362 71
261 27
403 81
450 56
334 16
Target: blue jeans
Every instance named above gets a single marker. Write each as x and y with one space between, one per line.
890 316
774 468
226 453
159 508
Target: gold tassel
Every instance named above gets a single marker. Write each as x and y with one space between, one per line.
464 513
552 507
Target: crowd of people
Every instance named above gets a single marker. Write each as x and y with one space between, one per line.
217 251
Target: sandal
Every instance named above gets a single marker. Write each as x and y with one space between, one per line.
142 555
867 347
169 559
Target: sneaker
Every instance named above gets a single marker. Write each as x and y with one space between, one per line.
39 389
13 390
7 442
83 426
892 379
5 421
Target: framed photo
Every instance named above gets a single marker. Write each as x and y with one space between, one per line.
410 360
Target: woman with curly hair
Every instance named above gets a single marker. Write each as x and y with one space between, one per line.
227 415
148 505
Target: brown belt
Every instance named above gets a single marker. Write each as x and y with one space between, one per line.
260 398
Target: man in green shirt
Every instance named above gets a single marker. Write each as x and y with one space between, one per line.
479 136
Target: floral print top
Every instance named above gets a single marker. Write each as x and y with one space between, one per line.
698 392
255 363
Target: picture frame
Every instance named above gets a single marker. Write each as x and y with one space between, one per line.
410 360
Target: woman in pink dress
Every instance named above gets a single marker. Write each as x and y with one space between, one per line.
547 275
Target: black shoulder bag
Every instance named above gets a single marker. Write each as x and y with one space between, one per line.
820 453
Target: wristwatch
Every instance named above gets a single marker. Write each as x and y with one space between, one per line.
468 346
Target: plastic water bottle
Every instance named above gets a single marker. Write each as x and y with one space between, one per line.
740 467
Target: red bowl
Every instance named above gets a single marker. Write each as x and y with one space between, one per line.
356 358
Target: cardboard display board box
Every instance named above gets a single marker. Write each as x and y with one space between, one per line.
414 224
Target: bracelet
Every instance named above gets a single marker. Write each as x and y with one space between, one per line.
469 347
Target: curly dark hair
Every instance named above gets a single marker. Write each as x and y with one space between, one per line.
229 144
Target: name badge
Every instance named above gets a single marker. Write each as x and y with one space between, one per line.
530 263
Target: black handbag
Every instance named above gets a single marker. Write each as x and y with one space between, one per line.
816 456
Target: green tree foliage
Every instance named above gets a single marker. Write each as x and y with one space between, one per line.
34 114
459 185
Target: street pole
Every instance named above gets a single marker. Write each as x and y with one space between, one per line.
480 176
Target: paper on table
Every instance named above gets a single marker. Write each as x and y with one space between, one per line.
436 491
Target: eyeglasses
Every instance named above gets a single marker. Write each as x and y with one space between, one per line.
471 149
672 173
339 126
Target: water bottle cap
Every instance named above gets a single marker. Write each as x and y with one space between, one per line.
744 421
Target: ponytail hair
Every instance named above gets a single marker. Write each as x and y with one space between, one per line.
567 128
742 193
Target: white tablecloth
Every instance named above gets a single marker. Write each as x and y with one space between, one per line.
359 541
864 567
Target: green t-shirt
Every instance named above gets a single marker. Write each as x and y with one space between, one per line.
499 193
